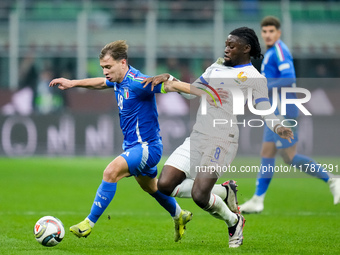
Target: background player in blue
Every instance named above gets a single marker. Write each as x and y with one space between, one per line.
278 68
142 142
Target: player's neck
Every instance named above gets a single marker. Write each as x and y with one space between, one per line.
243 62
270 46
125 71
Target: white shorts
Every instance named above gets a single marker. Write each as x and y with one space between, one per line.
200 152
180 158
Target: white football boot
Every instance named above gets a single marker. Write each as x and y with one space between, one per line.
231 199
236 233
254 205
334 186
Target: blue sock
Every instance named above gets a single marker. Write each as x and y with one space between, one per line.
309 166
265 175
104 196
169 203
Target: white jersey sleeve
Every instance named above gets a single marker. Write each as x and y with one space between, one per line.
203 79
260 90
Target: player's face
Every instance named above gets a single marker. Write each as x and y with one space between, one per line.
114 70
270 34
234 51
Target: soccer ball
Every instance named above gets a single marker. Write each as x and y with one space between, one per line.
49 231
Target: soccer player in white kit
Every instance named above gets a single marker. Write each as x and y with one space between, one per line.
190 170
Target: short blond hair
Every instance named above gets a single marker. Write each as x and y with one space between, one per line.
117 50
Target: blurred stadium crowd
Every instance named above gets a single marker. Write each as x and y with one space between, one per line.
44 39
41 59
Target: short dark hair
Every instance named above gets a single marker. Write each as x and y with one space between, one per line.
249 36
271 21
117 50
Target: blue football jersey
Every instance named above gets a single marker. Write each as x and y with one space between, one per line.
137 109
278 67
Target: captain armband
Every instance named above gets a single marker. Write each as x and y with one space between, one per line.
163 91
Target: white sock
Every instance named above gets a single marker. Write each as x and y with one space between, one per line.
220 191
217 208
91 222
178 211
183 189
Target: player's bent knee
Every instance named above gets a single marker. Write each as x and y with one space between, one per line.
200 198
110 175
165 187
268 150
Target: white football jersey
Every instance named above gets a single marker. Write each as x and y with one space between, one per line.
236 80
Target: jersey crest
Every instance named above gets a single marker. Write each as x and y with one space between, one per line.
241 77
126 93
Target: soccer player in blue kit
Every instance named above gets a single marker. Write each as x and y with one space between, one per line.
142 142
278 68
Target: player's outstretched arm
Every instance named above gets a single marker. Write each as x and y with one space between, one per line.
184 87
91 83
155 80
171 84
181 87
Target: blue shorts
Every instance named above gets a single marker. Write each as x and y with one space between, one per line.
280 143
142 159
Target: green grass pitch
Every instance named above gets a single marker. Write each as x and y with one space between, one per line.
299 215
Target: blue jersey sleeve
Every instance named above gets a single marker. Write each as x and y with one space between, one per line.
147 90
138 88
285 66
284 60
110 84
